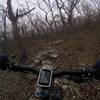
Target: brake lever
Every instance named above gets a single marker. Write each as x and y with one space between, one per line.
85 73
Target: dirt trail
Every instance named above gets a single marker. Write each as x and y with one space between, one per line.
74 51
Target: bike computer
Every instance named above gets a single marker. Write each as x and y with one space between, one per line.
45 77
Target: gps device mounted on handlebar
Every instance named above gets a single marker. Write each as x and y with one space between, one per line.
43 82
45 77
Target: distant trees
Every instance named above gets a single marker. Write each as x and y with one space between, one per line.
52 17
3 32
59 16
96 4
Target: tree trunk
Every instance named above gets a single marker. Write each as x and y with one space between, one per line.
61 16
19 41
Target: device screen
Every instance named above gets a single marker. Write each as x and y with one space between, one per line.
45 77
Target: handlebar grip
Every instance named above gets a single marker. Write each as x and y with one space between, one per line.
96 67
83 73
61 73
4 60
21 68
5 63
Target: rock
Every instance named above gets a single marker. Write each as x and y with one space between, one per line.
46 55
58 42
70 88
47 66
64 87
74 97
82 65
46 62
53 56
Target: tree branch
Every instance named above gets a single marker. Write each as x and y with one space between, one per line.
21 15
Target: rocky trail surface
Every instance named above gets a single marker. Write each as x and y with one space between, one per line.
71 53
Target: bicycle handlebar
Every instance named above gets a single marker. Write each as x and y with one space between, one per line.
85 72
21 68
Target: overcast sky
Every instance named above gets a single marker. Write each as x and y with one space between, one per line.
16 3
32 3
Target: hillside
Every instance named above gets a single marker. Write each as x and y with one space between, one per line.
70 52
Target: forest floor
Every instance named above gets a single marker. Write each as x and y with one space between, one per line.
72 52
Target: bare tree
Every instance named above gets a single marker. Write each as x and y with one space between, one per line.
29 16
96 4
3 32
46 17
61 16
90 19
23 28
14 21
50 8
69 7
